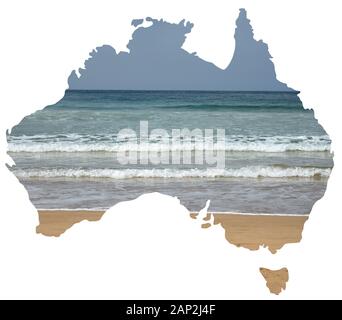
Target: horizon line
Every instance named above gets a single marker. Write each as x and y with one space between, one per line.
187 90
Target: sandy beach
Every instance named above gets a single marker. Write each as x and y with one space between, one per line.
248 231
242 230
252 231
53 223
275 279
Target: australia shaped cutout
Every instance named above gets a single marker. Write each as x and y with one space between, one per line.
161 119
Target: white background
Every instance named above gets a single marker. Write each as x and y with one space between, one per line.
149 248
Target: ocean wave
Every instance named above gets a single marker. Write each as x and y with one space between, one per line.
110 143
245 172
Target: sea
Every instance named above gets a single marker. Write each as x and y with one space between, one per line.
277 157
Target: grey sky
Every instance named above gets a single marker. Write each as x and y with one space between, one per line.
156 61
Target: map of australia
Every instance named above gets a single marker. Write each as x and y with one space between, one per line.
235 145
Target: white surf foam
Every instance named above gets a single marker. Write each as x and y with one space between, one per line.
109 143
245 172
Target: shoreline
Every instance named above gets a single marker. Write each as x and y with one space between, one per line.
250 231
65 210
